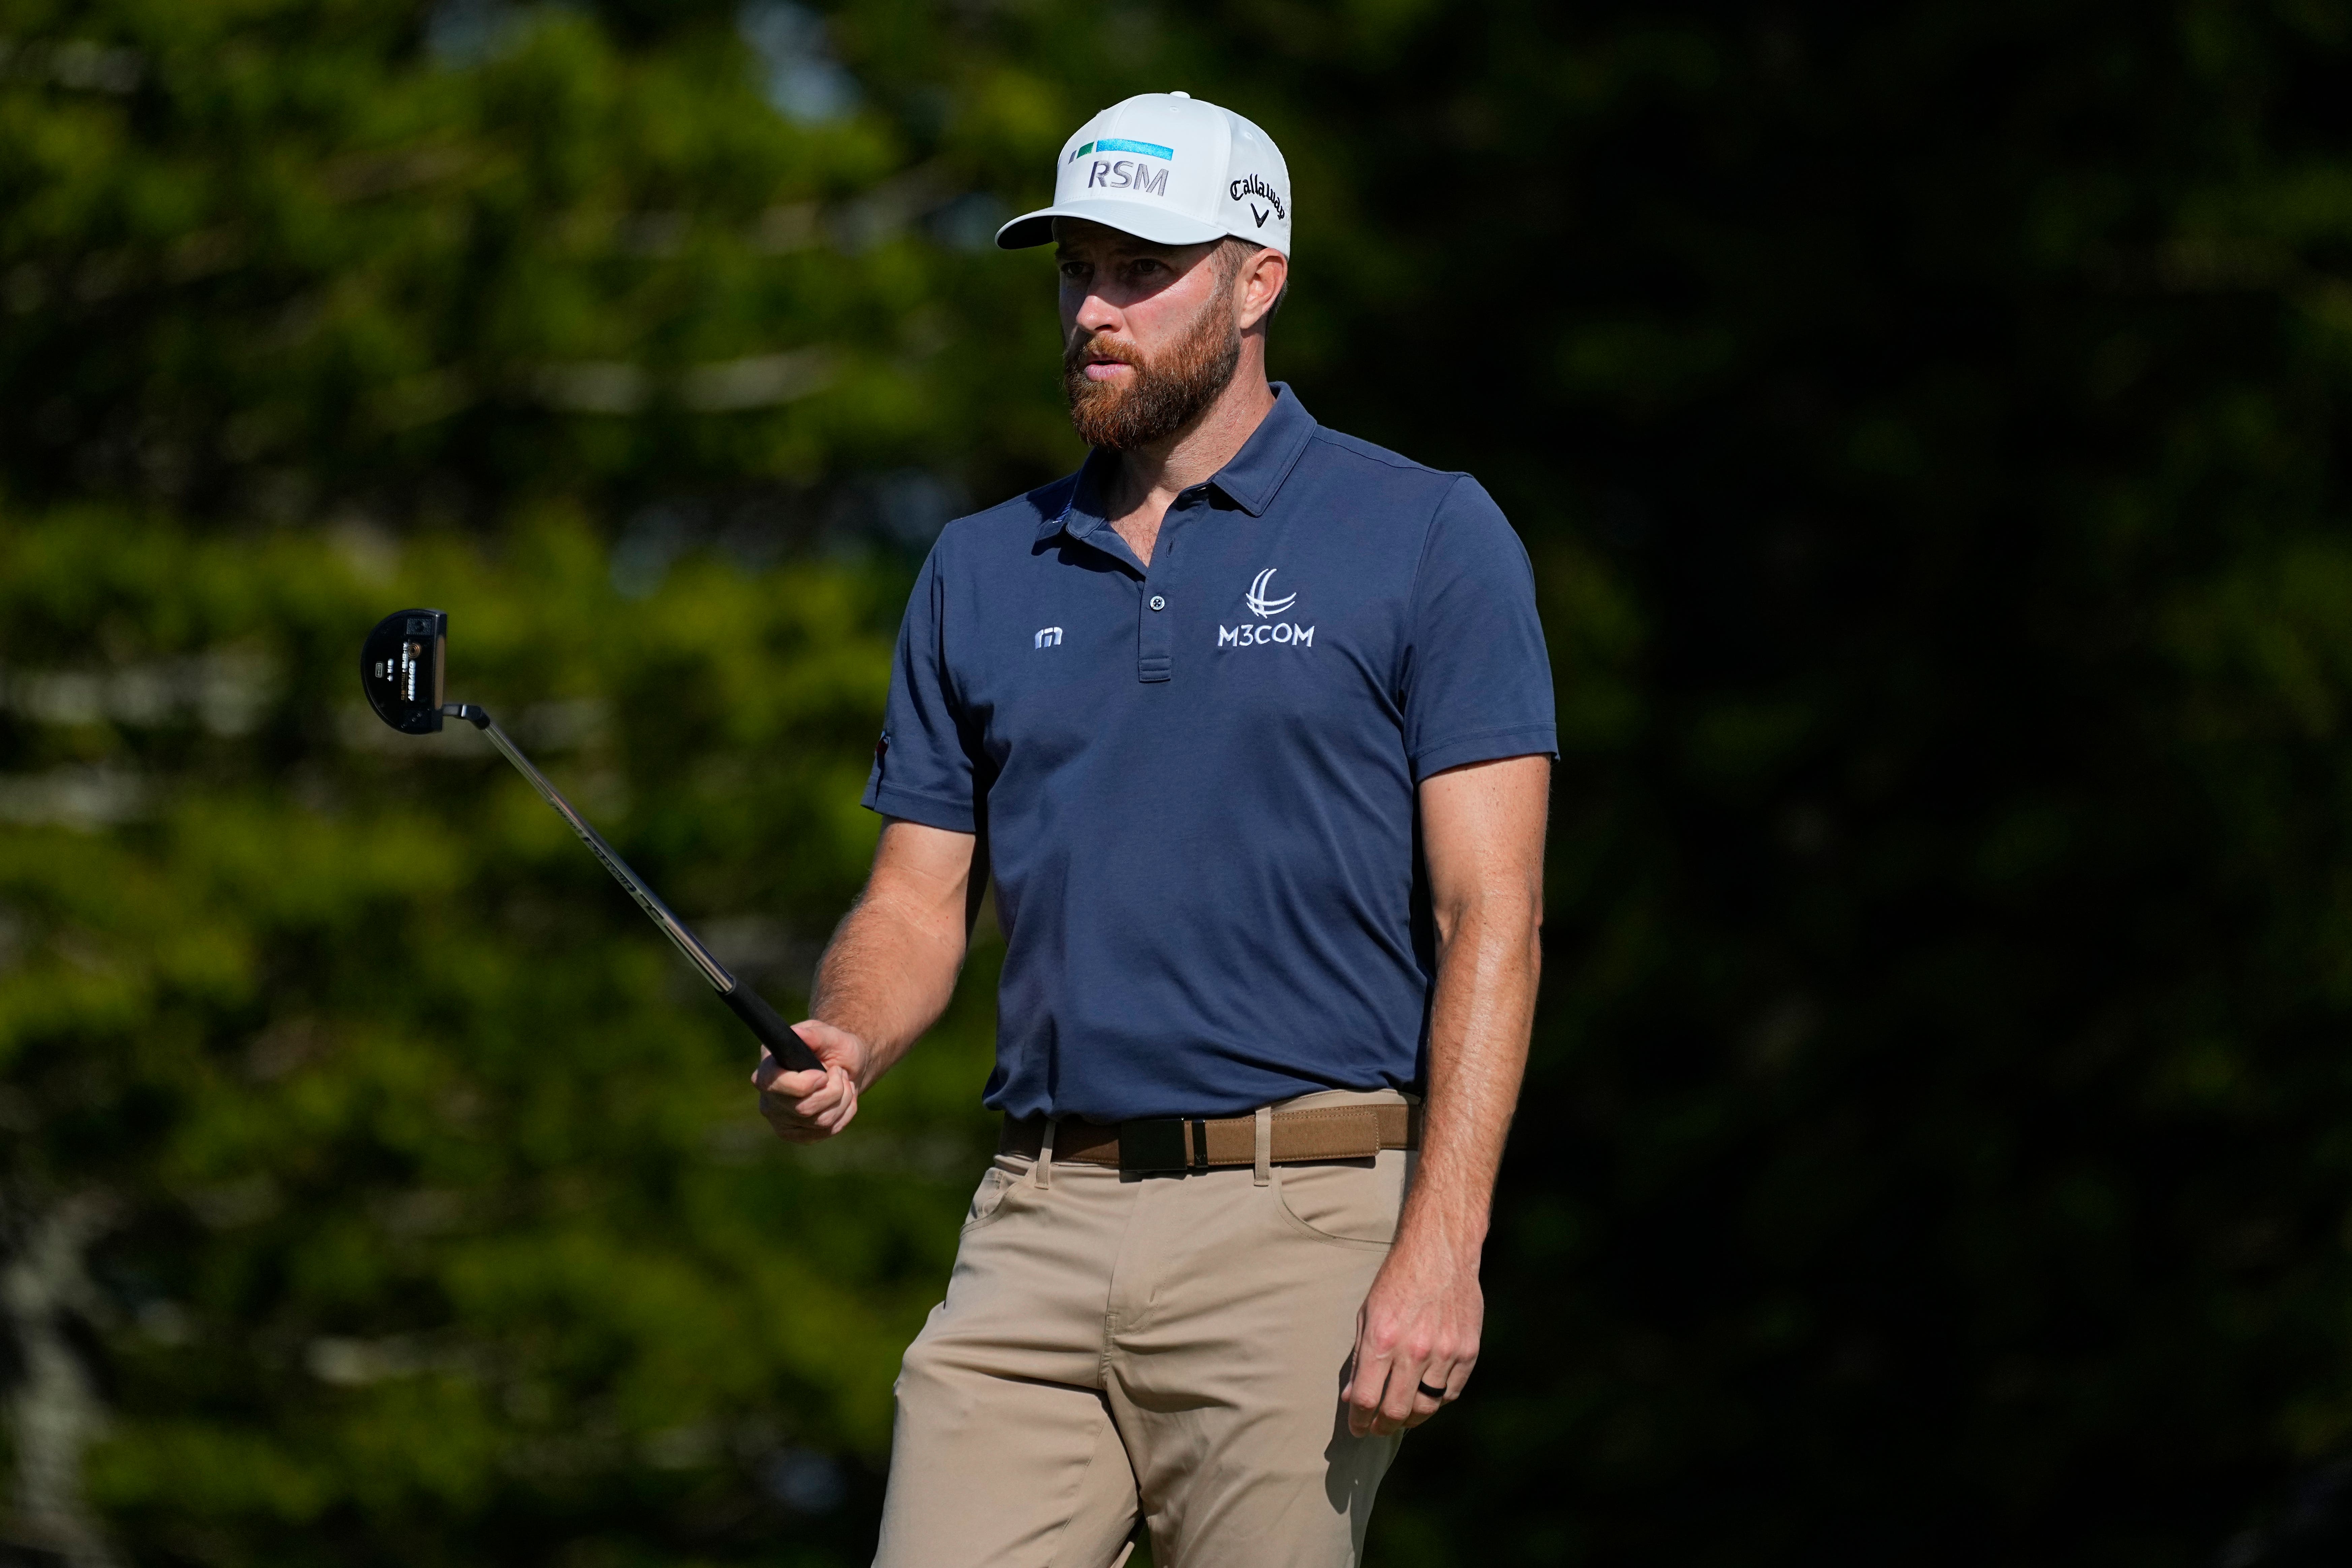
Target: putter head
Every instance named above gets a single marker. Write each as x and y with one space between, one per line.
400 669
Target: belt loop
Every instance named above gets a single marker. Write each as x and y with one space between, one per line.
1046 1153
1263 1118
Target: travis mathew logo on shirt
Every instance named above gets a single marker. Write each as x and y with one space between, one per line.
1264 607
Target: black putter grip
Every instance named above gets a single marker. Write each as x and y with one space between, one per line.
783 1041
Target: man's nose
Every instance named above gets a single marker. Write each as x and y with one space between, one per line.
1097 315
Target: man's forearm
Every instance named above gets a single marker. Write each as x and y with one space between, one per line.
892 966
886 977
1489 965
1417 1336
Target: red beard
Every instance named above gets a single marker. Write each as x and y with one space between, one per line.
1163 394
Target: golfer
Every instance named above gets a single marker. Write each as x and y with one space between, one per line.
1251 724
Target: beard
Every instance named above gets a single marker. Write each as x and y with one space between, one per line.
1166 392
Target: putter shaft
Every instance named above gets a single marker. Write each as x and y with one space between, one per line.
784 1042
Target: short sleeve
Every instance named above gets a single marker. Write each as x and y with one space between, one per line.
922 767
1477 681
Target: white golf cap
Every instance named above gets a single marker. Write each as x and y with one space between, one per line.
1166 167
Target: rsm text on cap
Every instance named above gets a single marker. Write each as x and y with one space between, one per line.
1168 168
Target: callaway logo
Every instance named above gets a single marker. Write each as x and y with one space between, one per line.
1260 606
1255 186
1287 632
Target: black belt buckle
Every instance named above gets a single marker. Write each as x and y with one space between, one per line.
1154 1145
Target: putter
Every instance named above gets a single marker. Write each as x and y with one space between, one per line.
401 670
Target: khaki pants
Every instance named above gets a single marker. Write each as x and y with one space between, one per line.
1167 1345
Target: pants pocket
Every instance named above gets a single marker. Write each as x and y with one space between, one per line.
1355 1203
996 1184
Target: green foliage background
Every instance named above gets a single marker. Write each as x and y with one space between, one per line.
1927 422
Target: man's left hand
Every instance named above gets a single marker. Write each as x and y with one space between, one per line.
1417 1331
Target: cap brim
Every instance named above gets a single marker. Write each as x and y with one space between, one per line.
1141 219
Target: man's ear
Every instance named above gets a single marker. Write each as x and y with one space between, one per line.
1263 277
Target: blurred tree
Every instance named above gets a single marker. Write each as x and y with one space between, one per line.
372 1183
278 262
1936 1148
437 1222
1926 422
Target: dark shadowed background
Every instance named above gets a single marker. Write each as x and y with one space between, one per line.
1927 422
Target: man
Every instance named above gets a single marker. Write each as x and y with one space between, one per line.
1251 723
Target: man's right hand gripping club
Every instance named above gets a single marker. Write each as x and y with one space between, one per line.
886 977
808 1107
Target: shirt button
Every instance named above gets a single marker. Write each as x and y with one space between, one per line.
1158 603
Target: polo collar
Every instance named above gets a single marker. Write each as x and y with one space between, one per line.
1251 480
1255 477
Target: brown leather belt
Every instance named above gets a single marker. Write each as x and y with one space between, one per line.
1173 1144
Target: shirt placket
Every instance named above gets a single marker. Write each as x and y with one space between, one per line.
1155 608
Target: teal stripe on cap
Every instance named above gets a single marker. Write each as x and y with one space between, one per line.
1116 144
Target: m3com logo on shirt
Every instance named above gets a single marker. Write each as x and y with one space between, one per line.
1264 607
1259 604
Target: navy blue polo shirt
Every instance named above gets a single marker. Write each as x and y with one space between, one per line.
1196 778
